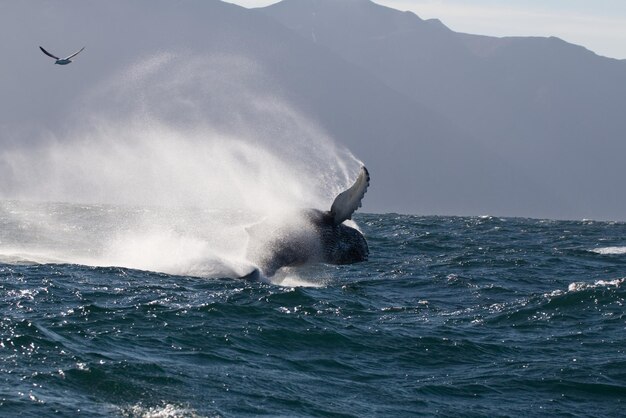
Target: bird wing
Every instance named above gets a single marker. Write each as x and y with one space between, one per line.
48 54
74 54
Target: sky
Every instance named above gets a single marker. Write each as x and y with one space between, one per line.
598 25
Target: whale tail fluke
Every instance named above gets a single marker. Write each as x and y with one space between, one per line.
348 201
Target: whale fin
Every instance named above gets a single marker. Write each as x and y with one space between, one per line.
348 201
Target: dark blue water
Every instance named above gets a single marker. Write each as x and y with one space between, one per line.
451 316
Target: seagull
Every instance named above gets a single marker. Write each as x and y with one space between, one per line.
61 61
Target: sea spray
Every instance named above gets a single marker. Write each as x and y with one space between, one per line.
171 161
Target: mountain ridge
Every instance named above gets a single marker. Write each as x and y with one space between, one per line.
538 101
442 130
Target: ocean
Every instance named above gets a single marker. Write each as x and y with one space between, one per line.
451 316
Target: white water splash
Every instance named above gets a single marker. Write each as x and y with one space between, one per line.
162 411
205 137
578 286
609 250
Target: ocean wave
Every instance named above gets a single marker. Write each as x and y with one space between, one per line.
557 303
25 258
578 286
445 318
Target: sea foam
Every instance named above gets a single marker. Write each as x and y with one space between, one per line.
610 250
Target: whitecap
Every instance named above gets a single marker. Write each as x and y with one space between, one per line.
160 411
578 286
609 250
289 277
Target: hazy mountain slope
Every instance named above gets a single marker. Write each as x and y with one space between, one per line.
447 123
540 103
209 63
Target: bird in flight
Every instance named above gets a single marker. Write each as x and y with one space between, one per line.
62 61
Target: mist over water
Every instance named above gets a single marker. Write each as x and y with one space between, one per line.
165 164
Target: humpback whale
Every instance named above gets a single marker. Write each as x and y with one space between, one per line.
311 235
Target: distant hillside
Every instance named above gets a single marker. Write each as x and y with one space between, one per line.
447 123
550 108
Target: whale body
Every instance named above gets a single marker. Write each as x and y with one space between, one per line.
311 235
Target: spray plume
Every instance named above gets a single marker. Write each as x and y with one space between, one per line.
169 163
